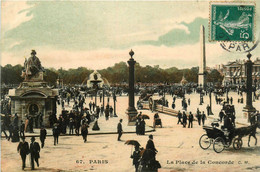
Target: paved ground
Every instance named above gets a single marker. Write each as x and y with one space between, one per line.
178 148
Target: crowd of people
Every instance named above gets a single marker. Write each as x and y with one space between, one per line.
77 121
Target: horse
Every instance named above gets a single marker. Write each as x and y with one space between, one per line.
148 162
244 131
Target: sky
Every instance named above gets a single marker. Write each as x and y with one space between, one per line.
97 34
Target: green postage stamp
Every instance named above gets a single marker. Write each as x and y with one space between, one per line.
232 22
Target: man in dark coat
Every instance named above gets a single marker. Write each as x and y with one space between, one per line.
221 115
107 112
40 118
71 125
190 120
35 152
15 121
142 127
84 131
150 146
22 126
184 119
23 148
30 124
56 133
10 129
179 117
203 117
43 134
119 129
137 126
90 106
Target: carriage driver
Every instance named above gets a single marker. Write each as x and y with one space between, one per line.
228 125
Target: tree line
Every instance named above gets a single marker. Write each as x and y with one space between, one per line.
115 74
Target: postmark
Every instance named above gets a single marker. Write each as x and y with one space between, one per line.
239 47
232 21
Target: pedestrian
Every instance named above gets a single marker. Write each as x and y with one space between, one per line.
41 119
15 135
142 127
22 126
231 100
150 146
43 134
203 118
102 110
56 133
71 125
30 124
190 120
208 108
136 156
189 101
23 149
179 117
119 129
199 117
35 152
15 121
84 131
137 126
10 129
221 115
90 105
107 112
184 119
111 111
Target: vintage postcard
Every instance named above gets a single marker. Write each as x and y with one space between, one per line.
124 86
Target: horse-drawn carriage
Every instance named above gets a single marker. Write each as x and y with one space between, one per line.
222 138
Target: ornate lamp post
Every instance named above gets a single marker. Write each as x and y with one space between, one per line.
249 107
131 111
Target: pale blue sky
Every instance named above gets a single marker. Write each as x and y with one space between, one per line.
98 34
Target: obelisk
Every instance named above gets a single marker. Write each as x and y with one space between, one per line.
202 67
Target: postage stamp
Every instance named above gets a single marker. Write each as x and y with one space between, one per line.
232 22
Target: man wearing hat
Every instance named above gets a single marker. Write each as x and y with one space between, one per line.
43 134
35 152
23 148
150 145
119 129
22 127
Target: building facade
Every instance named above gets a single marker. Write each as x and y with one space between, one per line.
235 72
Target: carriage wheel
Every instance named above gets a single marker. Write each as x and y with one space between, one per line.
237 144
219 144
204 142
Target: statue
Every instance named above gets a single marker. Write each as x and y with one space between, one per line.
32 66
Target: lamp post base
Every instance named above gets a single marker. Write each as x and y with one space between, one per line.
131 116
248 110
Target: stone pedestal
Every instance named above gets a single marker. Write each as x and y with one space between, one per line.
31 98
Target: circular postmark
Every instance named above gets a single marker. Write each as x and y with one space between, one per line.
239 47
